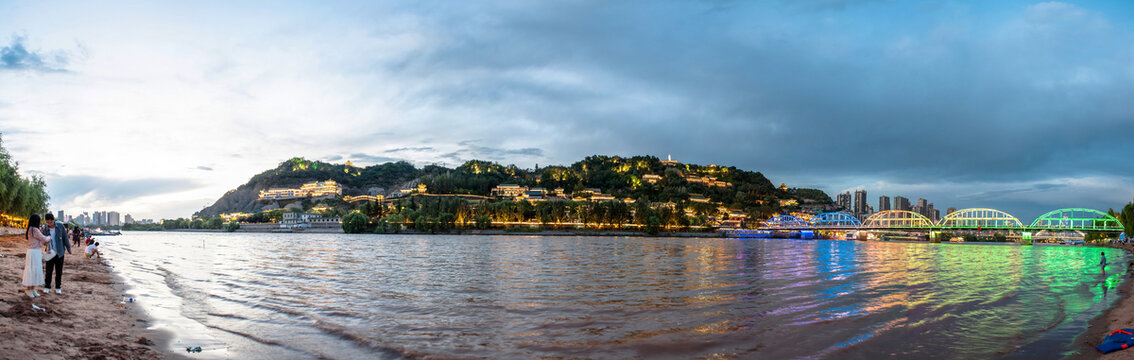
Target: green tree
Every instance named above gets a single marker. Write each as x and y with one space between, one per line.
1127 219
653 224
483 222
397 222
232 226
355 222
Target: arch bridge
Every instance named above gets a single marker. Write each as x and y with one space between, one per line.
1069 219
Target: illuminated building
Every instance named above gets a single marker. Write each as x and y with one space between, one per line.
651 178
707 181
228 216
311 189
602 197
322 188
509 190
349 198
669 161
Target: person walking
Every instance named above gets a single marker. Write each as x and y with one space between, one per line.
76 235
57 234
33 262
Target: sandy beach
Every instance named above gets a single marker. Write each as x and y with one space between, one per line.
85 322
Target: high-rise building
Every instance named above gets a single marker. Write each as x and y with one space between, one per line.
883 203
59 216
932 214
950 211
860 202
922 207
129 219
113 219
901 203
844 201
936 214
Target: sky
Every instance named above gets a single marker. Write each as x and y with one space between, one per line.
158 108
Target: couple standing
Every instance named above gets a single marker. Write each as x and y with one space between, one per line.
33 264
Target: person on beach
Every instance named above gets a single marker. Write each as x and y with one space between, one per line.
92 251
76 236
57 233
1103 261
33 263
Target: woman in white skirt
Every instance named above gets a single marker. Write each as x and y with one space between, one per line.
33 263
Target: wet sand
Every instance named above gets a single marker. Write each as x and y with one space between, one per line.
86 321
1121 315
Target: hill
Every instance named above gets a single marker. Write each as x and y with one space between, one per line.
640 178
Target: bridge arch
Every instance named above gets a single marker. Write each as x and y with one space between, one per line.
1077 219
835 219
897 219
785 222
979 218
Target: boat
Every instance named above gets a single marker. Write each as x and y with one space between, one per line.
742 233
101 232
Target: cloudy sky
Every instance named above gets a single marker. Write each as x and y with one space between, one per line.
157 109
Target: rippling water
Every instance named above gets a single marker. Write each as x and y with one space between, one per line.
271 296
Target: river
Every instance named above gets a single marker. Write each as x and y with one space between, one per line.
271 296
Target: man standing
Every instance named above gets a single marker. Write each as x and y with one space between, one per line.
58 236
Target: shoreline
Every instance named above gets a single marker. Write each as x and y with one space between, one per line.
468 232
1118 316
83 322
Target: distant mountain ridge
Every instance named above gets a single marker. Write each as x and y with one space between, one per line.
638 178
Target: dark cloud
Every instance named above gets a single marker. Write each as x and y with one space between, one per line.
470 150
372 158
16 56
987 195
420 148
205 168
1028 93
64 189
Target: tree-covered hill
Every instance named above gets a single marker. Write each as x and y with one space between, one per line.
622 177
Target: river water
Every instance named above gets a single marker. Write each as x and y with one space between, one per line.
272 296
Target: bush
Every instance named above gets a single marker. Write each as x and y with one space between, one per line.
383 226
355 223
653 225
232 226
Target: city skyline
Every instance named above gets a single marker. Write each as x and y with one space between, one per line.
948 100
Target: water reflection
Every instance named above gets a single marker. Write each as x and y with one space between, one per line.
365 296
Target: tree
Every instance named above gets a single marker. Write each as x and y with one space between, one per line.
446 221
397 221
653 224
232 226
1127 219
483 222
355 222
